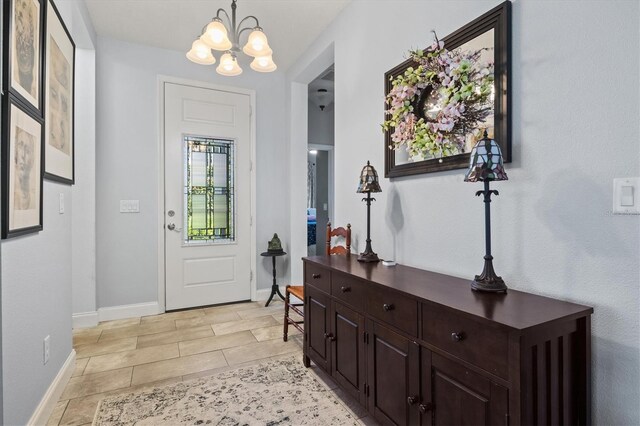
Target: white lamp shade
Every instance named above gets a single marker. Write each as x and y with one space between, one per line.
263 64
200 53
257 44
228 66
215 36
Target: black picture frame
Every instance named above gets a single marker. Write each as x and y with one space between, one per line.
8 54
54 22
27 115
498 19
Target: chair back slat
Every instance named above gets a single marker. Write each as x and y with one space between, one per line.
339 232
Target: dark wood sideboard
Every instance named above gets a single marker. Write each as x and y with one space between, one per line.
420 348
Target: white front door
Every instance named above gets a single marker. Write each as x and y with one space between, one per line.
207 166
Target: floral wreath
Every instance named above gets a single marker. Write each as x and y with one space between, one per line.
457 90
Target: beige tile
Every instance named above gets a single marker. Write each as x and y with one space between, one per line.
119 323
191 313
216 343
272 332
174 336
81 410
234 307
111 346
212 318
97 383
259 350
232 327
56 415
177 367
131 358
137 330
262 311
84 336
81 363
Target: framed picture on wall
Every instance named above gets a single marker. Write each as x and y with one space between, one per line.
22 162
24 23
59 102
490 36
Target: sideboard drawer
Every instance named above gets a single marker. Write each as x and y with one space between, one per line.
318 277
394 309
348 290
484 346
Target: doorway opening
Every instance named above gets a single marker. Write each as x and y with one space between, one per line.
320 159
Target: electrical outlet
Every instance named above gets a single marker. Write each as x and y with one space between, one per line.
47 349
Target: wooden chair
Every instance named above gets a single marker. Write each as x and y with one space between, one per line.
298 290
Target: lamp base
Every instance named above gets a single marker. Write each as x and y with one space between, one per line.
368 257
488 281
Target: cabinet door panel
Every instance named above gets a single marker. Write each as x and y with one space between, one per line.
347 365
393 368
462 397
317 326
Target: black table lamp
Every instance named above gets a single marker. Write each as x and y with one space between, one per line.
486 165
368 184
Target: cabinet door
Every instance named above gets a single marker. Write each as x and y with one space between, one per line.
348 360
454 395
316 307
394 376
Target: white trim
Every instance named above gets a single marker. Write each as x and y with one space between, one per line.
84 319
264 293
128 311
48 402
298 130
162 79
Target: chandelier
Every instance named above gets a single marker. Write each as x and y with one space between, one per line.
225 37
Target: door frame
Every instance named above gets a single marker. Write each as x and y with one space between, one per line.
162 79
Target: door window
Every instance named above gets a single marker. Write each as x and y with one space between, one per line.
208 196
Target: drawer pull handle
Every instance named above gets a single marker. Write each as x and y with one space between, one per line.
426 407
457 337
412 400
315 276
330 336
345 289
388 307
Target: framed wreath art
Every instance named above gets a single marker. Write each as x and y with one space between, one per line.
441 99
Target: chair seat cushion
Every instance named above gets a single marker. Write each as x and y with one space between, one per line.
297 291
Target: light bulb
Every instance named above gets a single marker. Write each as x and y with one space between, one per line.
257 44
200 53
215 36
228 65
263 64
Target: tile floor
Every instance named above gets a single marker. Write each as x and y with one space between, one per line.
122 356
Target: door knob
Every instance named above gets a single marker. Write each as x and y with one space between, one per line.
426 407
172 227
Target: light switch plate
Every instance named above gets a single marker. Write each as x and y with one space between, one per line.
129 206
626 199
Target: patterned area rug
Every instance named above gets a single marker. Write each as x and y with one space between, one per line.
281 392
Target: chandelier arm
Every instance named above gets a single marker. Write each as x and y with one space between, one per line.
243 30
248 17
226 16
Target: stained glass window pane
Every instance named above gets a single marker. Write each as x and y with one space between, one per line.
209 195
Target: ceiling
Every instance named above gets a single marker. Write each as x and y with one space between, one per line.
290 25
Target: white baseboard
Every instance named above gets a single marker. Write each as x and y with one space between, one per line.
84 319
54 392
262 294
128 311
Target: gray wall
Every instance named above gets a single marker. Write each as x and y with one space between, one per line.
322 197
575 127
127 166
37 268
